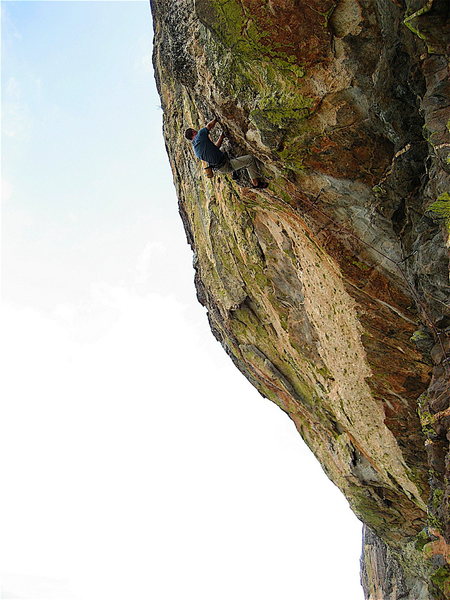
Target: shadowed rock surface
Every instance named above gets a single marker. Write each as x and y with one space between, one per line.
329 291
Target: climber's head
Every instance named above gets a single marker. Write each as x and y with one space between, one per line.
190 134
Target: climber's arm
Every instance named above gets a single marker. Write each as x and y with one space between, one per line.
220 140
211 124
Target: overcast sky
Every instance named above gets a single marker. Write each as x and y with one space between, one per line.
137 462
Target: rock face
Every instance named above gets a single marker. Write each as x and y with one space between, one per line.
329 289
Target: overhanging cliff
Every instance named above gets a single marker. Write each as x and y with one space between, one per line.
329 291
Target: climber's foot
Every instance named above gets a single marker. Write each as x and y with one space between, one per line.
261 185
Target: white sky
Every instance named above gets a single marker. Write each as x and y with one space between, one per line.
136 461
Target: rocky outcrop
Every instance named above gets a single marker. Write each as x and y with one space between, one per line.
329 290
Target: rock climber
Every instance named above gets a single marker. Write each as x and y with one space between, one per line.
219 161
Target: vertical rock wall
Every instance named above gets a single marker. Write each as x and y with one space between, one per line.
329 290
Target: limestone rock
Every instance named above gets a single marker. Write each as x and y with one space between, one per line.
329 291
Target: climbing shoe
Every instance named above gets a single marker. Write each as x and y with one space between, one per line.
261 185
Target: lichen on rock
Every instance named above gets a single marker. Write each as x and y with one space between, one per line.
317 287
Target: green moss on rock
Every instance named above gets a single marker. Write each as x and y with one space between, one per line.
441 579
441 209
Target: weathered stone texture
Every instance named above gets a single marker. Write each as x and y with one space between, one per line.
329 290
382 577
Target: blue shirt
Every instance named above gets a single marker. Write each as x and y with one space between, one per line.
205 149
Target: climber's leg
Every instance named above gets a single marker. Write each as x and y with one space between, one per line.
246 162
